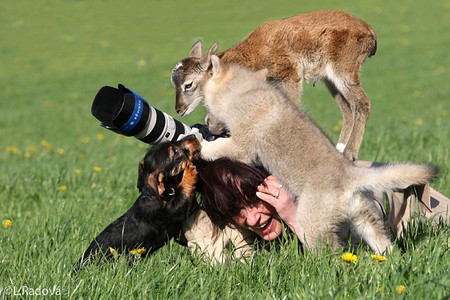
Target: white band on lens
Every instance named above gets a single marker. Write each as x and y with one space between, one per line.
149 125
169 130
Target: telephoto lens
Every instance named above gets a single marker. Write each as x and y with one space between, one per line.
125 112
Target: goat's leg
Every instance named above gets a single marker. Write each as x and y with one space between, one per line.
360 106
224 147
347 116
367 223
215 126
293 90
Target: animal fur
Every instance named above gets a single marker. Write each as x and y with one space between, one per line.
323 45
334 197
167 178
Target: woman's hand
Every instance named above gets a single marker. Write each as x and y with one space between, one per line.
274 194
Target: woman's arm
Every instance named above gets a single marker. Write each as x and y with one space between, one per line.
274 194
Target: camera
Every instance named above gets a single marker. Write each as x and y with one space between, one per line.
126 112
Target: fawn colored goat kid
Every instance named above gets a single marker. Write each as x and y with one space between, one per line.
324 45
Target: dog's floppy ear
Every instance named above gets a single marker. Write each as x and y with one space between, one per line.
141 179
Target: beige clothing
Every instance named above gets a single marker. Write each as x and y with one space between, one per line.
415 201
234 243
230 243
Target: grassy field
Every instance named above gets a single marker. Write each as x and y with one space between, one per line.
64 178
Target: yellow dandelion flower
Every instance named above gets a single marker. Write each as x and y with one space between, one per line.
62 188
405 28
338 126
103 44
32 149
60 151
77 171
417 93
97 169
18 23
378 257
85 140
405 42
401 289
48 103
100 137
67 38
439 70
27 154
138 251
12 150
141 63
114 252
419 122
350 257
46 145
7 223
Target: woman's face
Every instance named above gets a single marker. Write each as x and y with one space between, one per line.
261 219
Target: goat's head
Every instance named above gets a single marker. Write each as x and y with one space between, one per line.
189 76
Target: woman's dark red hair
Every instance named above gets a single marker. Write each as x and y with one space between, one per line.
227 186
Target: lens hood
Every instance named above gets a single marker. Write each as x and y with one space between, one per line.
126 112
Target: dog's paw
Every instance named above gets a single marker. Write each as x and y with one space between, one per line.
189 177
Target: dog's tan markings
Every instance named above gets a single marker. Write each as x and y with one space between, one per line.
193 146
151 181
189 179
181 167
161 187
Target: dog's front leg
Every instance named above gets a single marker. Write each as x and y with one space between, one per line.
188 181
223 147
183 201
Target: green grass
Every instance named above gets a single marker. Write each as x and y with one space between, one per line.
55 55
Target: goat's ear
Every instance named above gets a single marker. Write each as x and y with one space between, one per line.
140 181
262 74
205 61
216 65
213 48
196 50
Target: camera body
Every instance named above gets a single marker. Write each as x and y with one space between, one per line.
126 112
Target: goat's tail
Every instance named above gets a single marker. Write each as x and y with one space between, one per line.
396 176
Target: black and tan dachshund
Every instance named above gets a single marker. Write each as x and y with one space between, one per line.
167 178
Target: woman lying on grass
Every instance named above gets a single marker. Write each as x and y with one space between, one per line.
234 197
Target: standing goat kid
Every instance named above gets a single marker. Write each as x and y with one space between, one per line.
324 45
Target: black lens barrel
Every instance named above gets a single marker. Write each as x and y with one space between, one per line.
125 112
